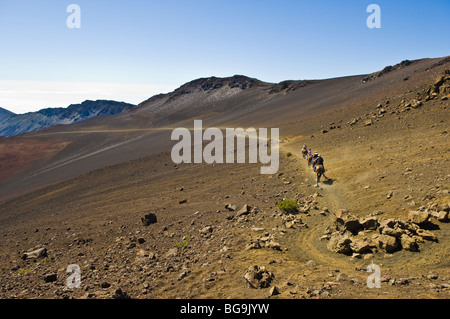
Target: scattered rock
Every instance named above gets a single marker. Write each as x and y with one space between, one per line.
105 285
231 207
173 252
274 291
38 253
149 219
206 230
183 275
50 277
258 277
243 211
119 294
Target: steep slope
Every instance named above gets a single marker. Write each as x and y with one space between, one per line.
5 113
15 124
219 102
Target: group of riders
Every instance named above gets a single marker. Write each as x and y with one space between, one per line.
315 160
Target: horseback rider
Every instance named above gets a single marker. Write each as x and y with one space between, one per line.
318 161
304 151
314 158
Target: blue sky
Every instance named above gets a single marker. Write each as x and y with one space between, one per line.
131 50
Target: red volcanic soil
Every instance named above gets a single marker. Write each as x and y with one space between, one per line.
17 155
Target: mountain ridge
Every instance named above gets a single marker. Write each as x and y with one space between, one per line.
15 124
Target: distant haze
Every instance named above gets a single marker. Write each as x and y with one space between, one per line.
31 96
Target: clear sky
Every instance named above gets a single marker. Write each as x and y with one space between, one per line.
131 50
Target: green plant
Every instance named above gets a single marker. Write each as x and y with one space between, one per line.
287 205
288 154
23 271
184 243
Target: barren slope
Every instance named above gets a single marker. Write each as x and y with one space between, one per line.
94 219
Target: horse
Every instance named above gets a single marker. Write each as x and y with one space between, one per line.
304 152
309 159
320 171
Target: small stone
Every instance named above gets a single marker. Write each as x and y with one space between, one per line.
442 216
243 211
172 252
274 291
183 275
105 285
38 253
206 230
50 277
119 294
230 207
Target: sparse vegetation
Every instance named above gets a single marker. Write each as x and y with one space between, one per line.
184 243
288 154
287 205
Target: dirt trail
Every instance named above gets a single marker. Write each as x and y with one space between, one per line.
308 244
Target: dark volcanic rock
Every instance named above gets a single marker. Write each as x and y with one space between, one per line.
149 219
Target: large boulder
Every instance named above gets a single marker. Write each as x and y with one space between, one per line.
369 222
408 243
419 217
389 222
349 221
388 243
427 235
394 232
441 216
359 245
339 243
